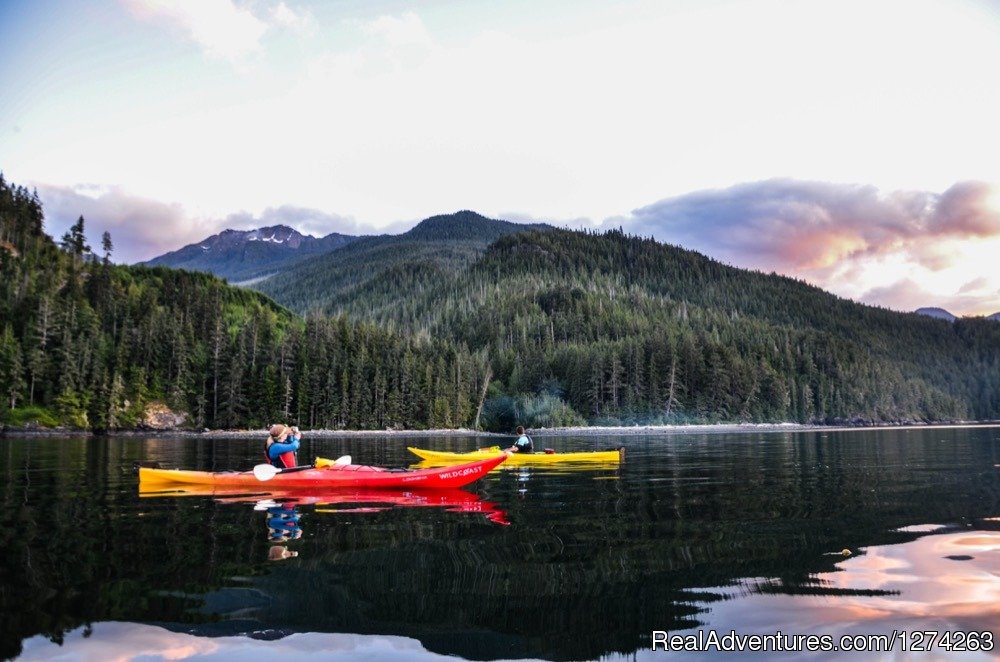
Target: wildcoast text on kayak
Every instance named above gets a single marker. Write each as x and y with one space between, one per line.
462 472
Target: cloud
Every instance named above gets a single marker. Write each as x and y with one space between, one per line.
405 30
222 28
111 640
839 236
978 285
907 295
299 21
966 209
142 228
802 224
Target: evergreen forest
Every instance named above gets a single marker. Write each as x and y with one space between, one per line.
463 322
88 344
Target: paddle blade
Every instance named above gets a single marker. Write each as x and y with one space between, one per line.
264 472
342 460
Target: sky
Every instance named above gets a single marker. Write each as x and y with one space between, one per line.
849 143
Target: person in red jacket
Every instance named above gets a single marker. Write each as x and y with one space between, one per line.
281 446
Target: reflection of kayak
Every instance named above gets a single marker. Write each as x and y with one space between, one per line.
338 501
349 475
451 499
517 459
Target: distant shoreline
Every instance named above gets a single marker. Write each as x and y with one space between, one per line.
591 431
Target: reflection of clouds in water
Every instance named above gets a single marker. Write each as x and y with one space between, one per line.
126 641
931 586
924 591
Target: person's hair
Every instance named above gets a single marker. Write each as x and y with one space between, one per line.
277 431
520 429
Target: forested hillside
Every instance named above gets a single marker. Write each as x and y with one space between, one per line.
545 327
85 343
622 329
633 329
374 278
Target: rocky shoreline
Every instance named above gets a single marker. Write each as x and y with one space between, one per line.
593 431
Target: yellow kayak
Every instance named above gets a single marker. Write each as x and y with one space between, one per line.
521 459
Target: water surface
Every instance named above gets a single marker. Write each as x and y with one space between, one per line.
737 532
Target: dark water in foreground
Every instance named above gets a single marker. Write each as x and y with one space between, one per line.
693 532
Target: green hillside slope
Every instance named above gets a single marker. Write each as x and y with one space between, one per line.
631 328
623 329
87 344
373 277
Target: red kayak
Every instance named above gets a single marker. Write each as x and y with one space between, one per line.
348 475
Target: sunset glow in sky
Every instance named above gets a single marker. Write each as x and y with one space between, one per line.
851 143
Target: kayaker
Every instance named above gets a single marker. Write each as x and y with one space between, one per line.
281 445
523 443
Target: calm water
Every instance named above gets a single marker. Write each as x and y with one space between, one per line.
693 532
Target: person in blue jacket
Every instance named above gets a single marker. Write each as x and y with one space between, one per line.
281 445
523 443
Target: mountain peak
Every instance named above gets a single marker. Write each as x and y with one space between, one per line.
242 255
278 234
465 224
939 313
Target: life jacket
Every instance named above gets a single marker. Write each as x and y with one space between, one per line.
284 461
524 448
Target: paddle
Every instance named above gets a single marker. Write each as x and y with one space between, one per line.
265 472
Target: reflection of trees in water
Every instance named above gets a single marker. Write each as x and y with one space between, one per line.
78 549
587 567
582 573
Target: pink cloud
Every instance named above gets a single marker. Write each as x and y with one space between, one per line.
965 210
829 233
126 641
905 294
980 284
908 295
140 228
788 224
